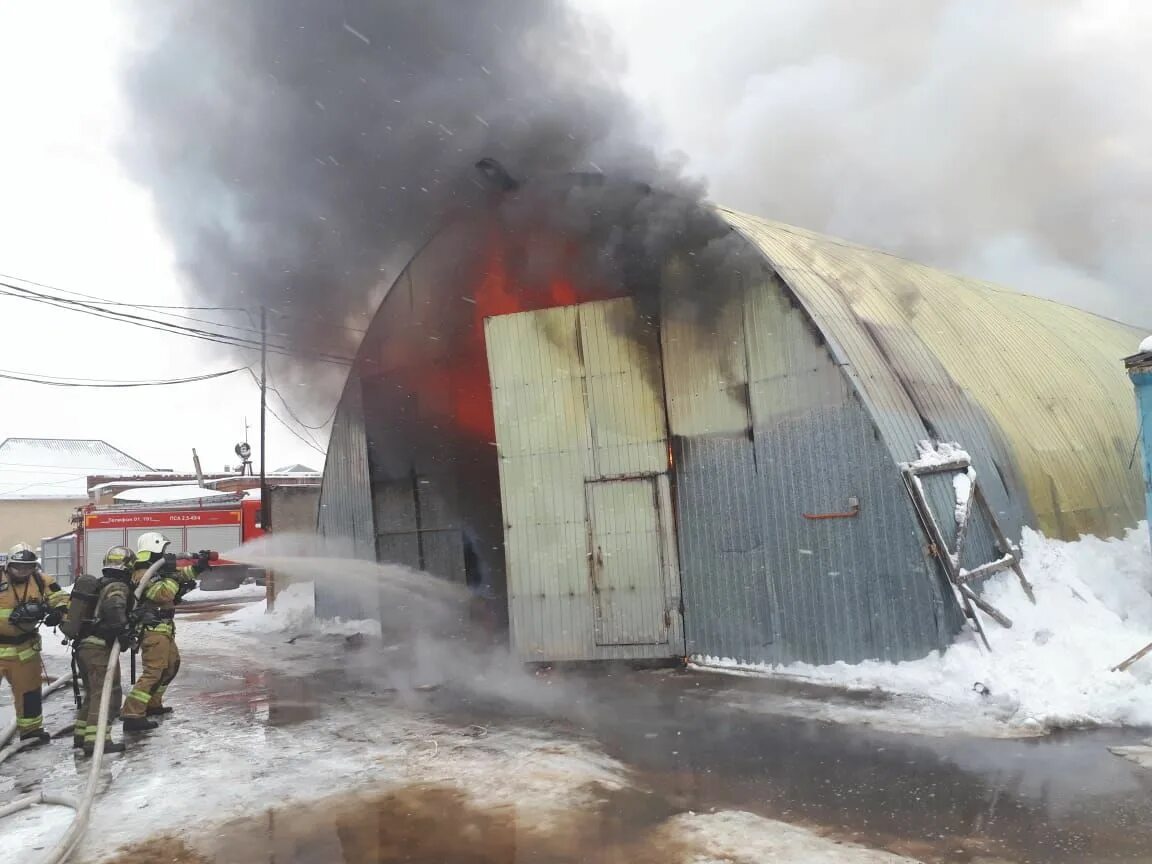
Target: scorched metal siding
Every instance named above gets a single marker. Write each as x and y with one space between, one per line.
574 404
762 583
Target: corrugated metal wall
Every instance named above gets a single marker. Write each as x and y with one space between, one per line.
583 459
768 428
346 503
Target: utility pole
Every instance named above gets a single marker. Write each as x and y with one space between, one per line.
265 504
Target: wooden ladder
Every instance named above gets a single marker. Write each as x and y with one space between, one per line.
960 579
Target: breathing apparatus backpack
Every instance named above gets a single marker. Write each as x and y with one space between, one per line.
82 606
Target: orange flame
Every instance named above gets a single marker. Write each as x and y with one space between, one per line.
455 388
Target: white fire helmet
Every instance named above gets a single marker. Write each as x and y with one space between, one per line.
152 543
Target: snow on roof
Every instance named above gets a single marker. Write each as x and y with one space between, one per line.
1146 345
167 494
296 469
59 467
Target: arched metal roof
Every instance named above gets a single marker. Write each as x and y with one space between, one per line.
1035 390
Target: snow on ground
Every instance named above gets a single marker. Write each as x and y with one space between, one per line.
736 837
295 611
1141 754
1051 669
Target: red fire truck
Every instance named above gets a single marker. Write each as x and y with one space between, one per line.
221 523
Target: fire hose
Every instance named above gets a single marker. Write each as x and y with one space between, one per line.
83 806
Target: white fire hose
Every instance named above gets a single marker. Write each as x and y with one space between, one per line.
62 850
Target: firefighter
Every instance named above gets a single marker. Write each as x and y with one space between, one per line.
109 626
154 616
27 600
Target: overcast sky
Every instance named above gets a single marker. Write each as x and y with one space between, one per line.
1008 141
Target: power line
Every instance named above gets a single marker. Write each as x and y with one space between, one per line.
280 314
4 493
85 308
307 437
162 326
53 381
311 444
101 301
322 426
293 415
153 324
239 327
115 302
147 323
28 468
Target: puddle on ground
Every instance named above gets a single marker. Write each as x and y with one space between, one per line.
430 824
269 699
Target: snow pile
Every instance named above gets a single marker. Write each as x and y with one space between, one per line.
1052 669
243 592
963 483
1146 345
295 611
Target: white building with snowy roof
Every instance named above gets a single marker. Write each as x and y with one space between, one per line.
43 480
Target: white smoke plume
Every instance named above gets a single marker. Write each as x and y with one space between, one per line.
1006 141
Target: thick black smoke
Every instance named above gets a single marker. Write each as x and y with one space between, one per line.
298 149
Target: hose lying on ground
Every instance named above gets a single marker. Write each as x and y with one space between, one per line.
60 852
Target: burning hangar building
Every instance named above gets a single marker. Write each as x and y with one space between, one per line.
642 426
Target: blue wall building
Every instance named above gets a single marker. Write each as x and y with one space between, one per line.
1140 370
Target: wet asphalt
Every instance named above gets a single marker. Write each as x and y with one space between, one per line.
1059 798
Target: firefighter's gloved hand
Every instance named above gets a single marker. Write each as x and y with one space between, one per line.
202 561
54 617
125 640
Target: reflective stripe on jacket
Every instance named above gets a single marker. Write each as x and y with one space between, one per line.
13 594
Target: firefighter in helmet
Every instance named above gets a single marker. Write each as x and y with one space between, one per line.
155 617
27 600
109 626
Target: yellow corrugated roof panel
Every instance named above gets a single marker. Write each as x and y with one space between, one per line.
931 351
